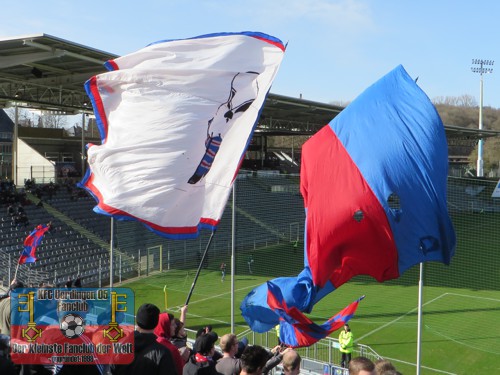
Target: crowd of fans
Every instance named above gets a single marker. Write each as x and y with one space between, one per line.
161 347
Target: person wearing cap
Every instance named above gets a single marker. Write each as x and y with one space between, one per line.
150 357
202 362
242 345
207 330
164 331
346 345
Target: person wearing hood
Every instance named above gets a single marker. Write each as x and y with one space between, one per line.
150 357
164 332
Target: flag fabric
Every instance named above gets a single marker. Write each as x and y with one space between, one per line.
296 330
175 119
31 243
374 187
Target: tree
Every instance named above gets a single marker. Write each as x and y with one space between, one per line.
53 120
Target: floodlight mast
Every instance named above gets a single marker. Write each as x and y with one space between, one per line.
481 69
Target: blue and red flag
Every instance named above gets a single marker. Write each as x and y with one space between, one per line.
374 187
31 243
297 330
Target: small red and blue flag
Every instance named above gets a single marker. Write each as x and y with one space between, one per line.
297 330
31 243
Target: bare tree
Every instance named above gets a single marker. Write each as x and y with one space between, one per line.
53 120
465 101
24 116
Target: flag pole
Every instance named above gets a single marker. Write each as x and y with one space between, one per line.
17 267
419 317
111 246
15 273
199 267
233 262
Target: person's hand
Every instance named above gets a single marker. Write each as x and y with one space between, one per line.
276 349
184 309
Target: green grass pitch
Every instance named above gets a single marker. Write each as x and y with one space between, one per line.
461 302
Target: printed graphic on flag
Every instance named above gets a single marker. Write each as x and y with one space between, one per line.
72 325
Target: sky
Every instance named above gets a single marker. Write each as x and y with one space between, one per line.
335 48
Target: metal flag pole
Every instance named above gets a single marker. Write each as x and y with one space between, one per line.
199 267
233 259
111 245
419 317
15 143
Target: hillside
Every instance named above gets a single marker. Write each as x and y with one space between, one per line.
468 116
461 111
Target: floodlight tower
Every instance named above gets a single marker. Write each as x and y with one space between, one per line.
482 66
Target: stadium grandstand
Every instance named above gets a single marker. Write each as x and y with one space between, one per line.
45 73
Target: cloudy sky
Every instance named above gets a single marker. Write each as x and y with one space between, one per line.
336 48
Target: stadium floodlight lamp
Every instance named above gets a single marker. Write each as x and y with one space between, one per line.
481 69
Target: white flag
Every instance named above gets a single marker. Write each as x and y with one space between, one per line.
175 119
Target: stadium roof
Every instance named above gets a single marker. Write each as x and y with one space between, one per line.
44 72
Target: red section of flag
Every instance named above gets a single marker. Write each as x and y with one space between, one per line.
347 228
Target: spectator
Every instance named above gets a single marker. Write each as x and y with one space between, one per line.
385 367
242 345
6 365
150 357
13 285
250 262
291 362
276 356
202 362
253 360
346 342
229 364
223 271
164 330
361 366
180 340
207 330
5 307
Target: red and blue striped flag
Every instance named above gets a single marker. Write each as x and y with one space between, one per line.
297 330
31 243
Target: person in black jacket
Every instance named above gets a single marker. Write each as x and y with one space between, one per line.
202 361
150 357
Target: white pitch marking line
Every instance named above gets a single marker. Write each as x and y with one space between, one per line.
401 317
